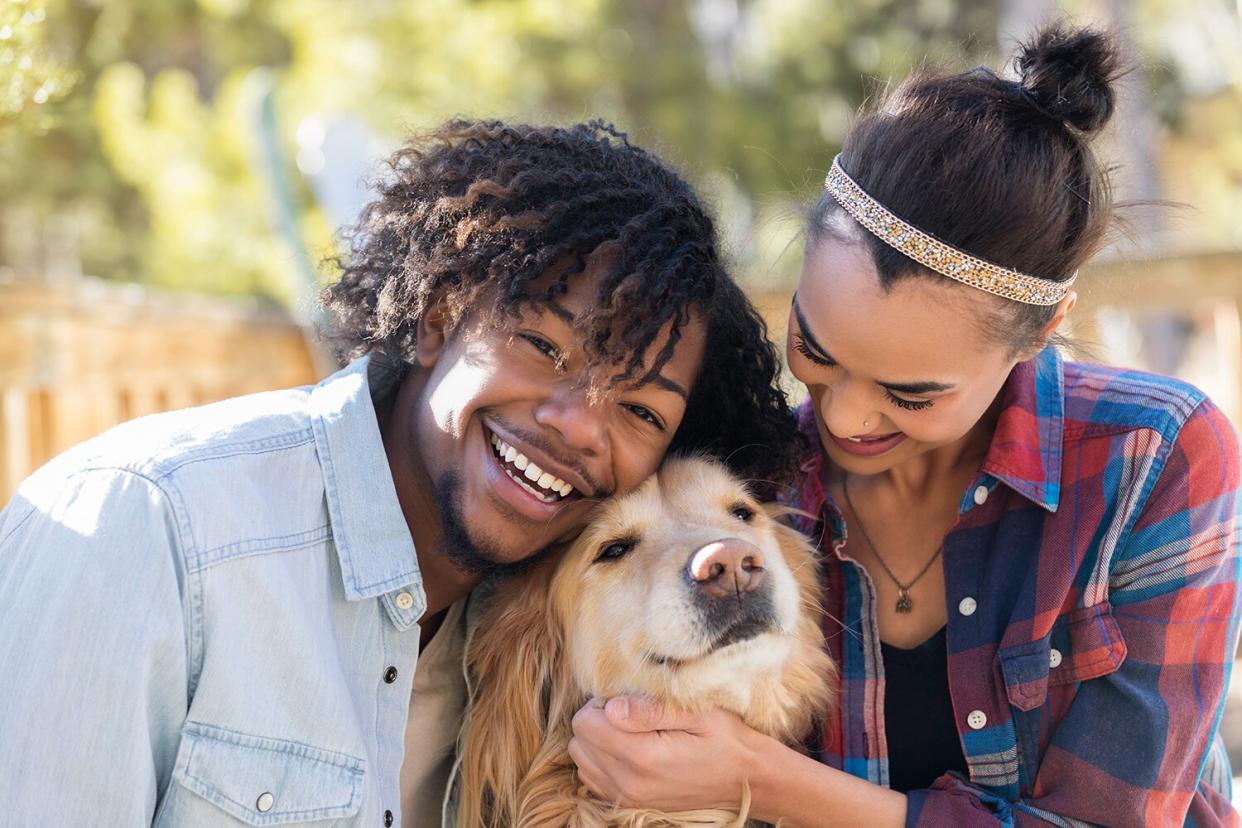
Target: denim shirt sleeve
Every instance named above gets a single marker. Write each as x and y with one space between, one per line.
93 649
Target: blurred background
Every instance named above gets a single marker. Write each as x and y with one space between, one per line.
173 172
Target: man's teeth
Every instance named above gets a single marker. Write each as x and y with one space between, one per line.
550 484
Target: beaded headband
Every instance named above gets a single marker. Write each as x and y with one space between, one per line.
937 255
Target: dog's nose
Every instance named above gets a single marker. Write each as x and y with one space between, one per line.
726 567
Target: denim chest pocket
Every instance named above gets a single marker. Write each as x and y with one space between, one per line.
258 780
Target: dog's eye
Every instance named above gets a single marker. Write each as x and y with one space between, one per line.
742 512
614 551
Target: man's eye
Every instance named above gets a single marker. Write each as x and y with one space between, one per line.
645 414
543 345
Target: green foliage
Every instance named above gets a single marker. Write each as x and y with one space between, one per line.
128 127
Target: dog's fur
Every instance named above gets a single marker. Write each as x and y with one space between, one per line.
580 626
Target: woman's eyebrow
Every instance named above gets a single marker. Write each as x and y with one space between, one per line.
928 387
807 336
925 387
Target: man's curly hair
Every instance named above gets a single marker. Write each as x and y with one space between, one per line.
475 213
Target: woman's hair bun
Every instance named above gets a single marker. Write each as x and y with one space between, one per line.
1068 74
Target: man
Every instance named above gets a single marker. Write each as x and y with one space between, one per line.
219 613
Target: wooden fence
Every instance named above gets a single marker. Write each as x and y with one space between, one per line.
79 357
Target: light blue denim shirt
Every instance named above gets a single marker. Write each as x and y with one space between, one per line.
211 615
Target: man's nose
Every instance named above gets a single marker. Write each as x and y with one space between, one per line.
580 421
726 568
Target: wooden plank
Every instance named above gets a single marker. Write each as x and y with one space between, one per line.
15 449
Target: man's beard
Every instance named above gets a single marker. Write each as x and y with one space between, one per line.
467 554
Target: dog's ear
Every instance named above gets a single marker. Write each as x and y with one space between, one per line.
516 669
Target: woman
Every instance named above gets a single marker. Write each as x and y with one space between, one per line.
1030 573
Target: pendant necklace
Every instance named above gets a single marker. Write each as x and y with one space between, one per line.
904 603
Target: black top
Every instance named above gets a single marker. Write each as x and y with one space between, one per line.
918 715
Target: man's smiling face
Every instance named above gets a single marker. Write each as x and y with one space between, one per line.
510 437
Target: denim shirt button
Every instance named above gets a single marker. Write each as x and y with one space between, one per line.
265 802
390 675
405 600
387 819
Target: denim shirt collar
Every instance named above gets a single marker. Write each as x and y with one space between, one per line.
372 539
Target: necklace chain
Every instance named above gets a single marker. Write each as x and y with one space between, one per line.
904 603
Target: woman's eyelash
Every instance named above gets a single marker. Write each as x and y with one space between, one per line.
908 405
801 347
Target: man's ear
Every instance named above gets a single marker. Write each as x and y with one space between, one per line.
1058 317
433 330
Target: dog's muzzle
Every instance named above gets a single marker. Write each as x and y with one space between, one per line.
731 590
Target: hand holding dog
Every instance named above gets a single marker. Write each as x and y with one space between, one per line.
643 754
637 752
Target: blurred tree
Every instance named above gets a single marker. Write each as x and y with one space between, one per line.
128 130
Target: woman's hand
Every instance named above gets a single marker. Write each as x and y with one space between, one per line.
638 753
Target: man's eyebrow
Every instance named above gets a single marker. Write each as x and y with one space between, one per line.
661 381
560 311
916 388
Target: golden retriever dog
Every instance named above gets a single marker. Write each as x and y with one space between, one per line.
686 591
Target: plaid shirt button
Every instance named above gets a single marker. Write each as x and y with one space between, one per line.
977 720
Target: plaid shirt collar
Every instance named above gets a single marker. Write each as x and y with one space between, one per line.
1026 448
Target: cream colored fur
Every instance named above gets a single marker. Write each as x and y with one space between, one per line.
576 627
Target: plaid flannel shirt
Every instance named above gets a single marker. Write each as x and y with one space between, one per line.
1091 581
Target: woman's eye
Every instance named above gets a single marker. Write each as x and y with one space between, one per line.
801 347
614 551
645 414
742 512
908 405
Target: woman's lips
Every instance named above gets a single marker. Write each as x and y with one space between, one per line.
868 446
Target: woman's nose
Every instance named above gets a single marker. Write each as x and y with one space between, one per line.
845 408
